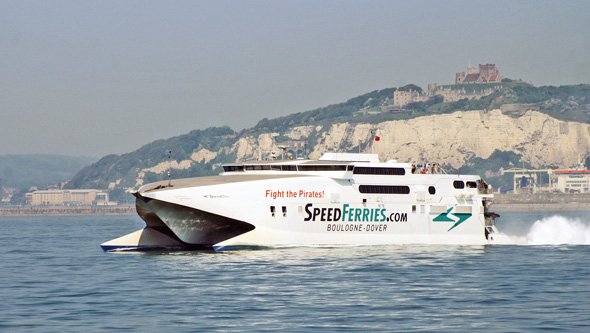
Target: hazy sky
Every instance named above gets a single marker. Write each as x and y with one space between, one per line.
99 77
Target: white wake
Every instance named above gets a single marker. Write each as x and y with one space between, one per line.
555 230
552 230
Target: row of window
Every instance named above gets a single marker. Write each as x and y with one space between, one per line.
379 171
459 184
273 210
390 189
402 189
384 189
381 189
319 167
575 182
322 167
274 167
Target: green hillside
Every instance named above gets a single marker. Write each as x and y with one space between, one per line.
113 167
24 171
570 103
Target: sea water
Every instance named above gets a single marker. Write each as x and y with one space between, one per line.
55 277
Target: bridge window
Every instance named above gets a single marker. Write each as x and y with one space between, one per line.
379 171
233 168
322 167
384 189
257 167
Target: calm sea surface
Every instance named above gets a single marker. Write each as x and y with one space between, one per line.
55 277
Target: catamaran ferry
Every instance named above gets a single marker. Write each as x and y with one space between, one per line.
340 199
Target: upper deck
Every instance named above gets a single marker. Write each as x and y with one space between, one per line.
340 166
359 168
364 171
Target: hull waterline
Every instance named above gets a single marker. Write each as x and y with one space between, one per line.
346 199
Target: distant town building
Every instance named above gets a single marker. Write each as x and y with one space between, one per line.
487 73
69 198
4 198
401 98
453 95
564 181
572 181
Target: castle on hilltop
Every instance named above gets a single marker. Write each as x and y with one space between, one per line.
487 73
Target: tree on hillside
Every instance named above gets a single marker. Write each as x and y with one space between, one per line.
19 198
411 86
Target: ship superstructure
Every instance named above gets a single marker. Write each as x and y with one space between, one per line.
340 199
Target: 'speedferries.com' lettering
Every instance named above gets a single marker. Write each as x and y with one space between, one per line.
348 214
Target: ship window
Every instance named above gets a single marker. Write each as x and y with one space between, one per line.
289 167
275 167
471 185
459 184
349 167
233 168
431 190
384 189
257 167
322 167
379 171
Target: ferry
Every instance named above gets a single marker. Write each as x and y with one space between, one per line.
342 199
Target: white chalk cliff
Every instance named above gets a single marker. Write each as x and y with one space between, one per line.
448 139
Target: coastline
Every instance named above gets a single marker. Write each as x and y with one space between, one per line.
502 203
67 210
527 202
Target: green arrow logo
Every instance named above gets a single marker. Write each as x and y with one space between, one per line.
444 217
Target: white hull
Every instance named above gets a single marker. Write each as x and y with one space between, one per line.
322 208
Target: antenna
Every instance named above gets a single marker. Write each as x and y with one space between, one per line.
169 168
371 141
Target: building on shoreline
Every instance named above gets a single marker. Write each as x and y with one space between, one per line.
88 197
559 181
572 181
